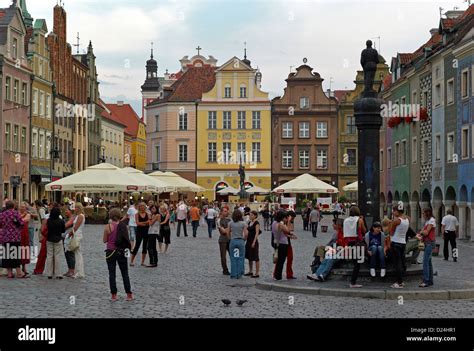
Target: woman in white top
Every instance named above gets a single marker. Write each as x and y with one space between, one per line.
78 227
398 233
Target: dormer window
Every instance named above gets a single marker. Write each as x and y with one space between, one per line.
304 103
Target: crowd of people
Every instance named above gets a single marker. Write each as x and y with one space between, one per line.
146 227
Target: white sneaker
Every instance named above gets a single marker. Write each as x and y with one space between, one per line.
372 272
382 272
312 276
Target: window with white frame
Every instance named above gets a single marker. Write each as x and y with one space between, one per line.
304 129
183 121
8 88
35 101
241 116
351 126
16 87
227 91
23 140
241 153
227 120
287 159
465 142
8 141
304 102
256 157
287 130
212 120
255 119
464 83
41 103
24 89
183 153
243 91
321 129
437 147
16 136
34 143
48 146
450 91
450 150
48 106
226 149
414 150
304 159
322 159
212 152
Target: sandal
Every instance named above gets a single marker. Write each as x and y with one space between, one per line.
248 274
255 276
132 264
24 276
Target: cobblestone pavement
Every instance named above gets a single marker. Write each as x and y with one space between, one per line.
189 283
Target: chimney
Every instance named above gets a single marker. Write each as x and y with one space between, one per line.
120 103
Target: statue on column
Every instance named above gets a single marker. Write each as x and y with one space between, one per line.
242 179
369 60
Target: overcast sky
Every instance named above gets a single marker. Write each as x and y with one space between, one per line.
279 34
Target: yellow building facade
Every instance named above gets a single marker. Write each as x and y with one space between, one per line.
233 127
138 148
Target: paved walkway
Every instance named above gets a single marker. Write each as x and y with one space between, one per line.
189 283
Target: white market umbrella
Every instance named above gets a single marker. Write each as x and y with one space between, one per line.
306 184
228 191
103 177
257 190
351 187
152 184
176 182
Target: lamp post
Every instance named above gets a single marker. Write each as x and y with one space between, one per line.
54 155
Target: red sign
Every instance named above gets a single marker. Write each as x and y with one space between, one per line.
330 190
280 191
132 187
56 187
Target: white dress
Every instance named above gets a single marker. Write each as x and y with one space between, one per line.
77 253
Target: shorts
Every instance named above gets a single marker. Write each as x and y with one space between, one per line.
133 233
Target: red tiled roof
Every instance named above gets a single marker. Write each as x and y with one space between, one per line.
127 115
469 12
405 58
339 94
387 81
108 114
190 87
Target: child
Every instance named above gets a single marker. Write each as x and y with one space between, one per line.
375 240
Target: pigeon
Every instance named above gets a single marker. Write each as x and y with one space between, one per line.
226 302
241 302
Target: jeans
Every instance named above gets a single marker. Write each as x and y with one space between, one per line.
398 251
427 263
266 223
121 260
133 232
282 254
449 238
183 223
152 251
237 257
211 223
70 259
325 267
314 228
224 249
377 251
31 235
195 225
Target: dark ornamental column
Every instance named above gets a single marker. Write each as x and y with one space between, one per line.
368 122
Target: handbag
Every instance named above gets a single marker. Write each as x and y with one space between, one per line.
73 243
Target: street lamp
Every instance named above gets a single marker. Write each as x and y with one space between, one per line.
54 155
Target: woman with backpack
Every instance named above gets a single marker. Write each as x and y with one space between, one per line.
117 244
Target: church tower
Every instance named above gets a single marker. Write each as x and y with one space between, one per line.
151 87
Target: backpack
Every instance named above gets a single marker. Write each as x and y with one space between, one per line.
122 242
